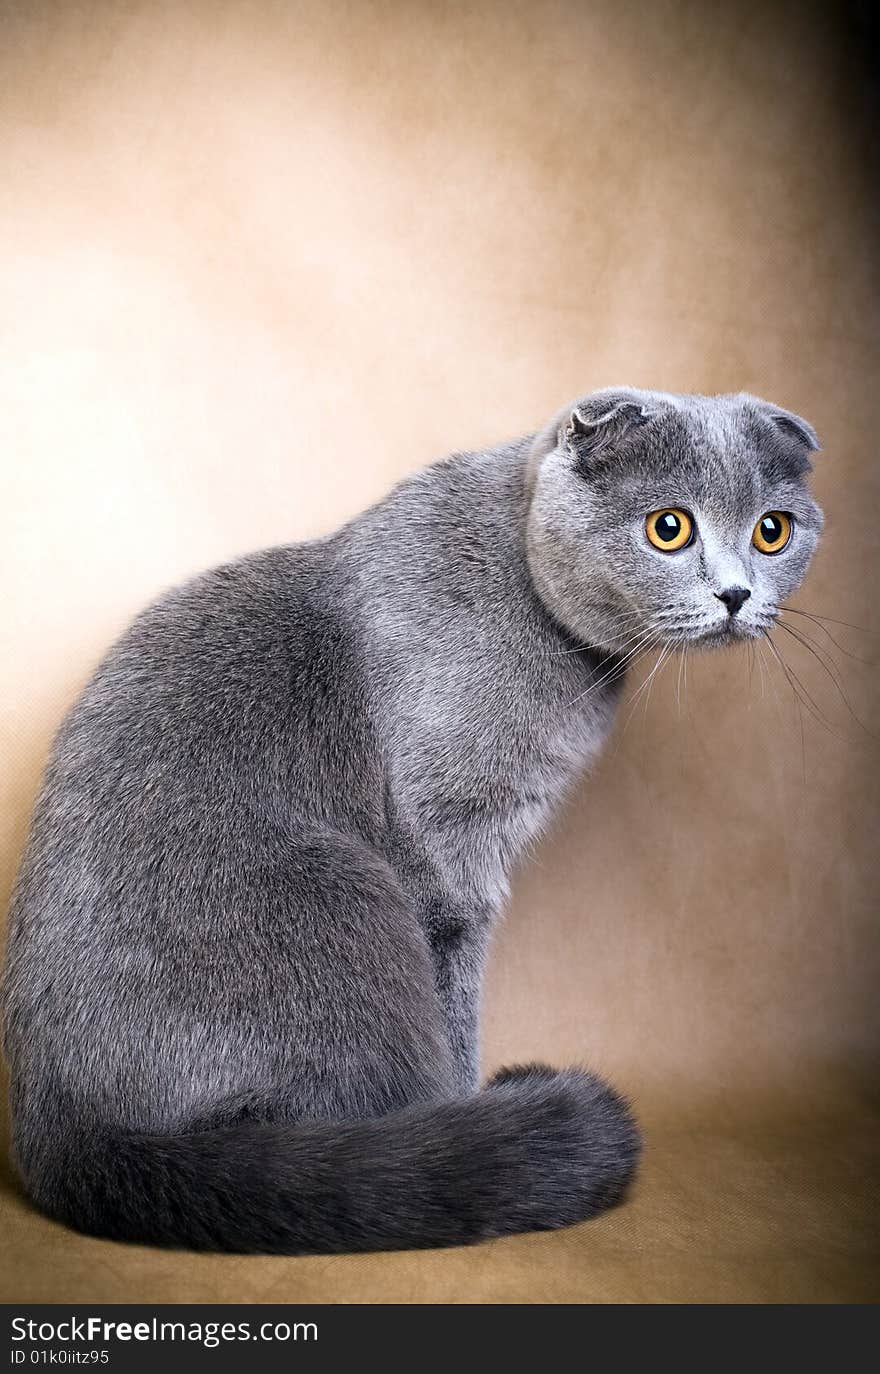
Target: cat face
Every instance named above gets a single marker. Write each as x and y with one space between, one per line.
670 519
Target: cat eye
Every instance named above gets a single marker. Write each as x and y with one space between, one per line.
772 532
669 530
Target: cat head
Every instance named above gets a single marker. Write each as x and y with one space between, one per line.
657 518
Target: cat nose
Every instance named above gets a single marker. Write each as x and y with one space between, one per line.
733 598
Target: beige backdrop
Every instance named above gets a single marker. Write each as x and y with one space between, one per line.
262 259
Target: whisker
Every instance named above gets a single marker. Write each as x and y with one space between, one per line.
800 711
858 658
665 656
767 677
762 667
814 615
824 656
678 680
807 697
666 650
579 648
619 667
800 690
820 655
803 734
751 649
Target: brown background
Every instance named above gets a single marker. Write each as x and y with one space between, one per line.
262 259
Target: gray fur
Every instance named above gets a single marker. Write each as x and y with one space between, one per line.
247 941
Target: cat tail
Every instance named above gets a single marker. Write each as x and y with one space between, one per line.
535 1150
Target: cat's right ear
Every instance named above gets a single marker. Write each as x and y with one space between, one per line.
593 433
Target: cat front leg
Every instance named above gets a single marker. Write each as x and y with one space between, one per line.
459 950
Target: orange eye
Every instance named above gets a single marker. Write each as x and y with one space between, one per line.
772 532
669 530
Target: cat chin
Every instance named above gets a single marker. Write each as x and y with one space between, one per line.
723 636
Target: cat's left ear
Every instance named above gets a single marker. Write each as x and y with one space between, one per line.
596 429
793 426
797 427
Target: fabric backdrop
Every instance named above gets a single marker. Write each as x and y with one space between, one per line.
260 259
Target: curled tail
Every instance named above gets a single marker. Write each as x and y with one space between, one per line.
535 1150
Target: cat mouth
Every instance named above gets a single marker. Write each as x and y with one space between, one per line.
730 631
712 633
716 635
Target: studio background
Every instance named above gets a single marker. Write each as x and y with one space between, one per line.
262 259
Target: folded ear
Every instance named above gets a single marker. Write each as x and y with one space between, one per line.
793 426
599 427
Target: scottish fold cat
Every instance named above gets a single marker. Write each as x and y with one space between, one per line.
247 940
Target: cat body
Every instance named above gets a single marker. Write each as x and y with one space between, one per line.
248 937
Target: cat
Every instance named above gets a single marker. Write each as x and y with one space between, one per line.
248 935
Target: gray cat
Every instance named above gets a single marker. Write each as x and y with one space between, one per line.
248 936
